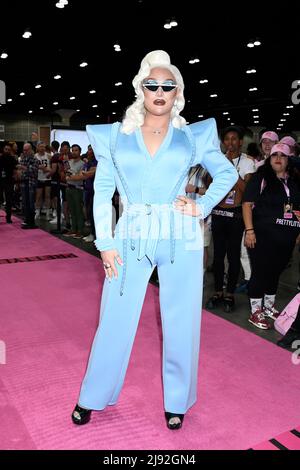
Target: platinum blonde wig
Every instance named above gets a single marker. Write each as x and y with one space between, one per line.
135 114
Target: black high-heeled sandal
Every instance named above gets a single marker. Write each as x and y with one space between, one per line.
169 416
83 415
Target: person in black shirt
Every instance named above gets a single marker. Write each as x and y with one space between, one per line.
7 174
271 212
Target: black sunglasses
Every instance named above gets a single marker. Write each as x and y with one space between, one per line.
164 87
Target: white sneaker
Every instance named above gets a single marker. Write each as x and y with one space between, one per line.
271 312
37 214
89 238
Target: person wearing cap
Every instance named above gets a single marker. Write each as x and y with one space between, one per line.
271 214
267 140
159 226
290 141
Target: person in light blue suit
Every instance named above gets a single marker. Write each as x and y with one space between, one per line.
147 158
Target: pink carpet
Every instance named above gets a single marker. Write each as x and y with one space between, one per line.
288 440
248 387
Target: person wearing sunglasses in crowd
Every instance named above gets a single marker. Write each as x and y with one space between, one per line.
271 211
148 157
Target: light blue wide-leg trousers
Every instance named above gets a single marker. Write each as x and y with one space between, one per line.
180 304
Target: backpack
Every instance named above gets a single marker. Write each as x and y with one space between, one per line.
288 315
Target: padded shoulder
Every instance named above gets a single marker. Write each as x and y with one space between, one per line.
99 137
203 127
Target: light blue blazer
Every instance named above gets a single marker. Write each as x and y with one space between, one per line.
145 182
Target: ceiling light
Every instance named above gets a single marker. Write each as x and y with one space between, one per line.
214 95
283 120
114 101
289 107
95 106
9 100
170 24
97 116
22 93
200 116
62 3
253 89
203 81
4 55
57 77
77 110
255 110
83 64
30 112
194 61
92 92
232 124
27 34
255 117
251 71
228 119
118 84
72 98
38 86
55 103
41 107
225 113
286 114
256 122
114 112
253 44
